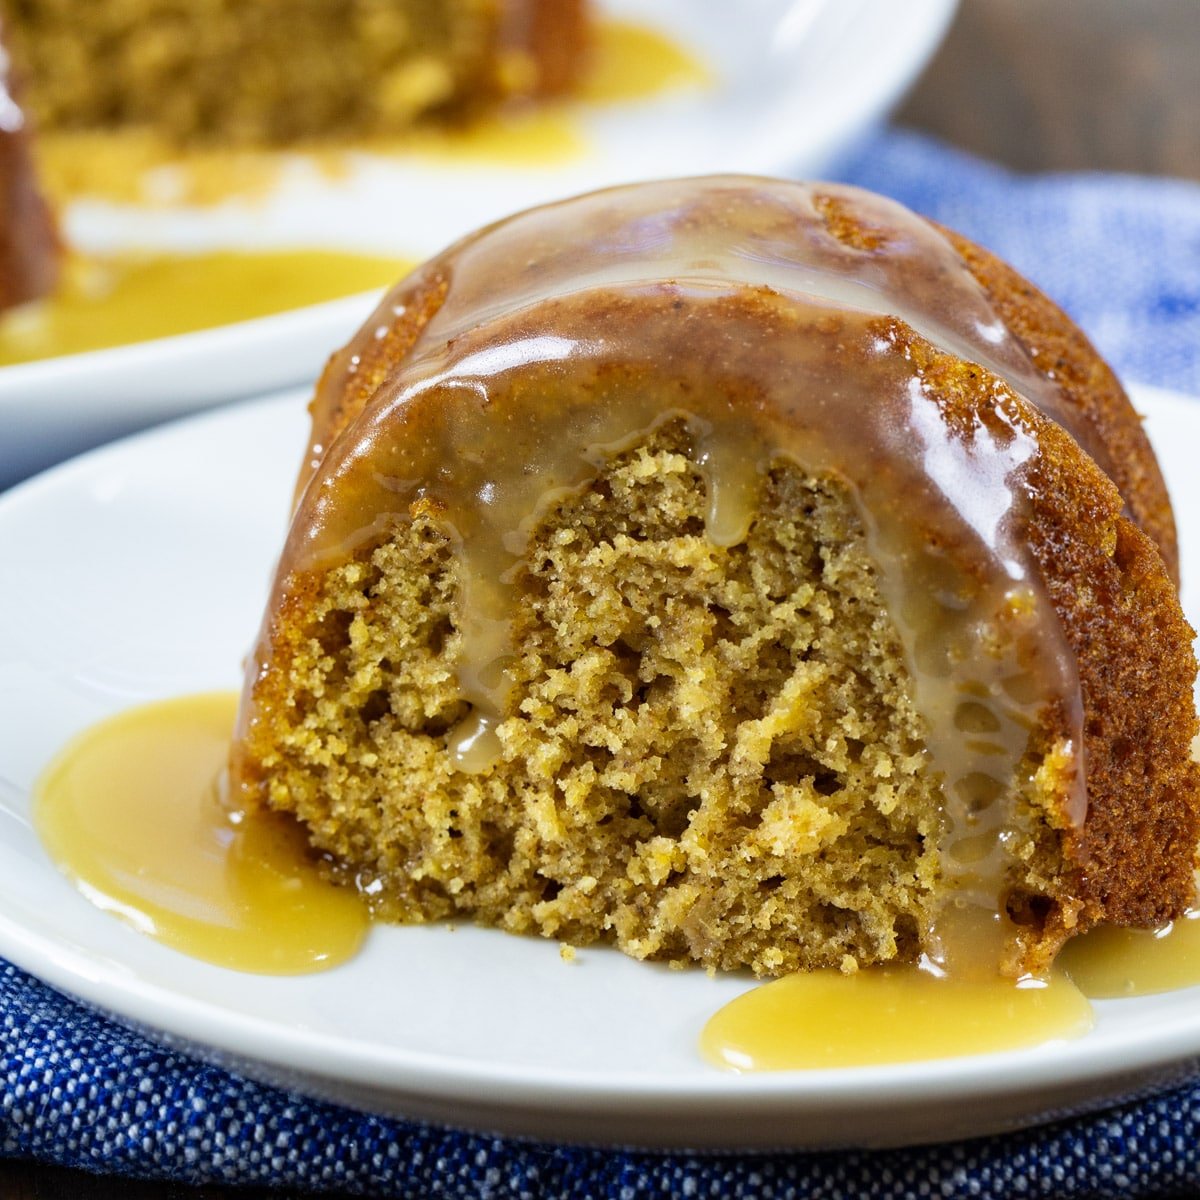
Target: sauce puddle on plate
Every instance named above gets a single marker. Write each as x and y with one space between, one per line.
1109 963
903 1014
825 1019
132 812
105 302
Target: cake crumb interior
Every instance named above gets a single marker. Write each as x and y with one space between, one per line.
713 756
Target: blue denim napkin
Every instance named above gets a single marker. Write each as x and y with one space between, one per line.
1122 255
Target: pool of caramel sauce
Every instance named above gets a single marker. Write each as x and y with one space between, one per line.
120 299
825 1019
133 813
918 1012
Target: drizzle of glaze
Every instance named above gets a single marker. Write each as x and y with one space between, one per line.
746 233
132 812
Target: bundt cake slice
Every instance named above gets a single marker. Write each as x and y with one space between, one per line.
29 246
273 72
732 570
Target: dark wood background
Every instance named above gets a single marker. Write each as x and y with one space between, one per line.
1110 85
1036 84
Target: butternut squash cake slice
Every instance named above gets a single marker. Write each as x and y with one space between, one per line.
742 572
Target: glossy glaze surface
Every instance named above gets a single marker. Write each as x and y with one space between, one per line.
1110 962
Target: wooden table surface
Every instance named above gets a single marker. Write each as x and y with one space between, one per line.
1036 84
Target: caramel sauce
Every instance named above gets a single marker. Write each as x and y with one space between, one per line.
913 1013
628 63
565 334
1109 962
115 301
888 1015
634 62
131 812
953 1002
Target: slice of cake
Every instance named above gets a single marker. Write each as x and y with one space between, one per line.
743 572
270 71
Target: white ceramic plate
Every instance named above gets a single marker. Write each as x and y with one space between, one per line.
794 80
138 572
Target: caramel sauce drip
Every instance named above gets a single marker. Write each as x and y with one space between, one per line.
745 309
825 1020
131 811
1110 962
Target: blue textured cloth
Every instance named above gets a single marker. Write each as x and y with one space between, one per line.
81 1091
1122 255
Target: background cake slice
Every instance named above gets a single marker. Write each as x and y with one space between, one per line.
267 71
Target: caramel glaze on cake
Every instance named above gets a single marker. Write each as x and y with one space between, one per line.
745 572
29 246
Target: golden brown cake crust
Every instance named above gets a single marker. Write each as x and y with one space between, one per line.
1122 618
1062 353
1135 855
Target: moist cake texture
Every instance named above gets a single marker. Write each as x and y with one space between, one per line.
719 568
262 71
